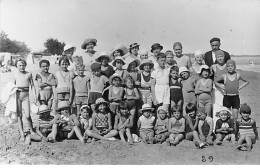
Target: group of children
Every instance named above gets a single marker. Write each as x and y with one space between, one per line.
108 103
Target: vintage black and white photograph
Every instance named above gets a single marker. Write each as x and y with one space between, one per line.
129 82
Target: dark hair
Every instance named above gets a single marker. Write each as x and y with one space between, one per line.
44 61
203 69
174 68
22 60
80 66
176 108
120 51
161 55
122 105
190 107
64 59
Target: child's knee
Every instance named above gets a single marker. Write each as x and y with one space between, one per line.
89 132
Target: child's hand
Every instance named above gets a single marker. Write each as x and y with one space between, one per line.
137 83
155 102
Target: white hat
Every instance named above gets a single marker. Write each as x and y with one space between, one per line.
203 67
183 69
69 46
198 52
118 58
85 106
146 107
119 47
103 54
223 110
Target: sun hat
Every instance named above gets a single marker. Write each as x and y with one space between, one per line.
219 52
231 62
203 67
84 107
223 110
214 39
133 45
95 66
118 58
156 45
183 69
62 105
43 109
245 109
119 47
198 52
146 107
162 108
69 46
102 55
100 101
136 61
145 62
88 40
115 76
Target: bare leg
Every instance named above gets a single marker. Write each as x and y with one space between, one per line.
121 134
178 139
20 118
78 110
54 131
235 114
129 135
111 134
78 133
50 104
219 139
95 135
26 107
248 143
184 108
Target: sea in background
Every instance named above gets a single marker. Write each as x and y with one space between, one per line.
243 62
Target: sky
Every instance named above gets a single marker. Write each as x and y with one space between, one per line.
112 22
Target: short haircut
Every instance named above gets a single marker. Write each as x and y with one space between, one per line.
44 61
20 60
161 55
190 107
174 68
80 66
177 44
123 105
176 108
130 79
169 52
64 59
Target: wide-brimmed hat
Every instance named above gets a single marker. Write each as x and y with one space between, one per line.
43 109
136 61
146 107
100 101
183 69
156 45
198 52
163 109
133 45
103 55
145 62
69 46
118 58
115 76
223 110
85 106
119 47
203 67
62 105
88 40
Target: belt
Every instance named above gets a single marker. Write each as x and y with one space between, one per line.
145 88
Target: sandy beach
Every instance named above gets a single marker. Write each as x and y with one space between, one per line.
102 152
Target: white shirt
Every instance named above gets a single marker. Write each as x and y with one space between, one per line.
213 57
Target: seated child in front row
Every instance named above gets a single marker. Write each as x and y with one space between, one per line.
68 123
205 127
224 128
247 130
161 125
191 128
124 123
146 123
102 127
44 127
85 121
176 128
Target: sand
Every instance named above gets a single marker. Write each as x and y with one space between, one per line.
105 152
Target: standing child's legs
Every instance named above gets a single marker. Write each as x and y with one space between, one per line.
184 108
78 109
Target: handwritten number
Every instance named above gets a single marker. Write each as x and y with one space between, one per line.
210 158
203 159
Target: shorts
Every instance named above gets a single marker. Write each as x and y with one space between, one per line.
63 96
45 95
81 100
231 101
93 96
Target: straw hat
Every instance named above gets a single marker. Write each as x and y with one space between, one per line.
198 52
223 110
146 107
103 55
133 45
44 109
62 105
136 61
88 40
203 67
162 108
100 101
118 58
119 47
85 106
183 69
145 62
69 46
156 45
115 76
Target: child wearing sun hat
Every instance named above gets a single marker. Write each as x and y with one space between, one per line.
161 125
106 69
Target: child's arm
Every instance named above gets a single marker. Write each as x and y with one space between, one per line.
218 128
211 128
245 82
74 120
38 128
56 119
153 91
221 78
116 123
32 87
182 128
188 119
138 124
255 130
197 88
200 128
109 124
130 122
94 122
89 124
71 91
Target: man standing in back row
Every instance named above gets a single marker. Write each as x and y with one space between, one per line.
210 57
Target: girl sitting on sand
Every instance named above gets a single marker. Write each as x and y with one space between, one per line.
68 123
44 127
102 127
161 125
24 82
85 121
124 123
247 130
46 82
